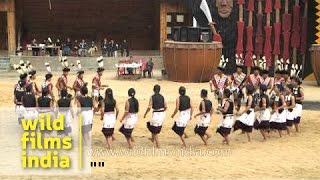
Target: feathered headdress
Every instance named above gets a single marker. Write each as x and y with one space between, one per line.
239 60
23 67
64 63
100 64
223 63
256 64
17 67
48 68
263 65
295 70
78 64
30 69
282 66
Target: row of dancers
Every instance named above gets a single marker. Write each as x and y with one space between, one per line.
285 102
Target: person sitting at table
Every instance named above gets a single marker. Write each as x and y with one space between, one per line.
149 68
104 47
93 49
67 48
130 69
35 49
83 48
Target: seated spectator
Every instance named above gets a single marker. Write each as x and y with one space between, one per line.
124 49
129 69
49 43
104 47
35 50
93 49
67 48
83 48
76 48
149 68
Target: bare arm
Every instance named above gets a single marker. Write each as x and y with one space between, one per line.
126 111
102 111
264 105
176 109
149 108
302 95
293 103
117 111
225 108
248 106
203 110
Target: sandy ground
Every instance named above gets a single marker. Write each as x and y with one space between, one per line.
295 156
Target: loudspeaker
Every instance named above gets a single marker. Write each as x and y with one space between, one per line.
193 34
176 35
184 34
205 35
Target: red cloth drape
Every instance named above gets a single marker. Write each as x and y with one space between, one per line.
268 6
250 5
259 35
295 38
277 4
239 48
277 32
248 59
286 40
304 35
249 46
286 22
267 44
217 37
240 1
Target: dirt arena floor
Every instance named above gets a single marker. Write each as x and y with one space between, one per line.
290 157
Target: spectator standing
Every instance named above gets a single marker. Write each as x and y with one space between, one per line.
93 49
124 49
104 47
76 48
35 51
67 47
149 68
83 48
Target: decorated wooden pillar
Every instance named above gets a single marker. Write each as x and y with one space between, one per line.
11 19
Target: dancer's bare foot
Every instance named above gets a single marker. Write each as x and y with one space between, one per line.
208 137
151 139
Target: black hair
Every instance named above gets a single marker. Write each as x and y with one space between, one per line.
263 88
45 91
277 71
297 79
84 90
156 88
204 93
64 93
290 86
250 89
131 92
265 72
280 87
23 76
48 76
182 90
109 94
227 93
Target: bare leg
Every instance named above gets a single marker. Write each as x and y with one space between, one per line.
132 140
208 136
183 142
185 135
204 140
288 131
226 139
152 137
156 139
113 138
280 133
249 138
129 140
109 141
263 134
297 127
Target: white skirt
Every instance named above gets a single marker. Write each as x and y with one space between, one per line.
87 117
227 121
157 119
204 120
130 121
184 117
290 115
298 110
109 119
95 93
67 118
247 119
264 115
279 117
31 113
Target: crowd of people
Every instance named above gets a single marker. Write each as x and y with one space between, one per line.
109 48
271 104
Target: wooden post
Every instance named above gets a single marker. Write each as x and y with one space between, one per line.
163 24
11 19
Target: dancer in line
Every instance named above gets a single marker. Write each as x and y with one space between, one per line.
184 106
299 95
263 117
159 106
246 120
64 108
109 115
226 123
130 117
290 105
205 114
